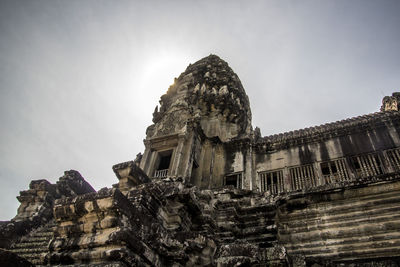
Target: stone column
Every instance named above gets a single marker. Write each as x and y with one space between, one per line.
144 163
249 178
177 156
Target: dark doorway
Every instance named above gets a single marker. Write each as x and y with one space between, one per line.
164 162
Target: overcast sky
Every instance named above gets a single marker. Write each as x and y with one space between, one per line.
79 80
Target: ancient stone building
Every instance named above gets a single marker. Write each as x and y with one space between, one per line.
211 191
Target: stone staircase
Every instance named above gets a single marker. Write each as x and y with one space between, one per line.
257 224
33 246
326 229
247 232
239 221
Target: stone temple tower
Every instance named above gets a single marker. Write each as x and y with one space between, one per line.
203 110
327 195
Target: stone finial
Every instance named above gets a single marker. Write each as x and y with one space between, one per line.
156 115
391 102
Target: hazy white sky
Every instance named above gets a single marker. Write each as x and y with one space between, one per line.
79 80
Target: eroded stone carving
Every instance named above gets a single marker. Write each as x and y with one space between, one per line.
391 102
211 90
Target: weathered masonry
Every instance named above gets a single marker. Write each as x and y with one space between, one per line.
202 133
209 190
344 151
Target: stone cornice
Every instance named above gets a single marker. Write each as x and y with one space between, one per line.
327 131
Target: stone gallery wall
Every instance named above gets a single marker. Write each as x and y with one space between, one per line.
346 225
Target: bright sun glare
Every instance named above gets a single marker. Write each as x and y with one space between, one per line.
161 69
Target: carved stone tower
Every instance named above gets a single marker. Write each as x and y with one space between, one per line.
204 109
327 195
391 102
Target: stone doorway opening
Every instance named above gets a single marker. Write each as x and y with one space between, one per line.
164 162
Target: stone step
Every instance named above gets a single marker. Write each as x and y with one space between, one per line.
263 238
258 230
344 214
32 256
320 225
227 212
226 205
243 210
222 235
329 233
225 224
348 205
307 225
22 251
43 234
375 253
35 239
256 215
256 222
343 252
350 201
226 240
346 240
31 244
225 237
34 245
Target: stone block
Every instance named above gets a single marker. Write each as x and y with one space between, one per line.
129 174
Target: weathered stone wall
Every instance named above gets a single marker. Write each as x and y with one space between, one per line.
97 227
347 225
166 223
37 202
376 134
155 224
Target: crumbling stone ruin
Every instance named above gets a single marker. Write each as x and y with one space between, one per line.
211 191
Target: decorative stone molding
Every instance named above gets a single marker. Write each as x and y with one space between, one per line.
328 131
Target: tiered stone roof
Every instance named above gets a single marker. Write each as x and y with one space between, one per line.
329 130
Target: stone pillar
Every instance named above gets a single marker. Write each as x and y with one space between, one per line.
177 157
144 163
189 152
286 179
318 173
249 177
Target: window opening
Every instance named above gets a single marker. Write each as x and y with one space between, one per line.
393 156
234 179
163 164
334 171
272 181
367 165
302 177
